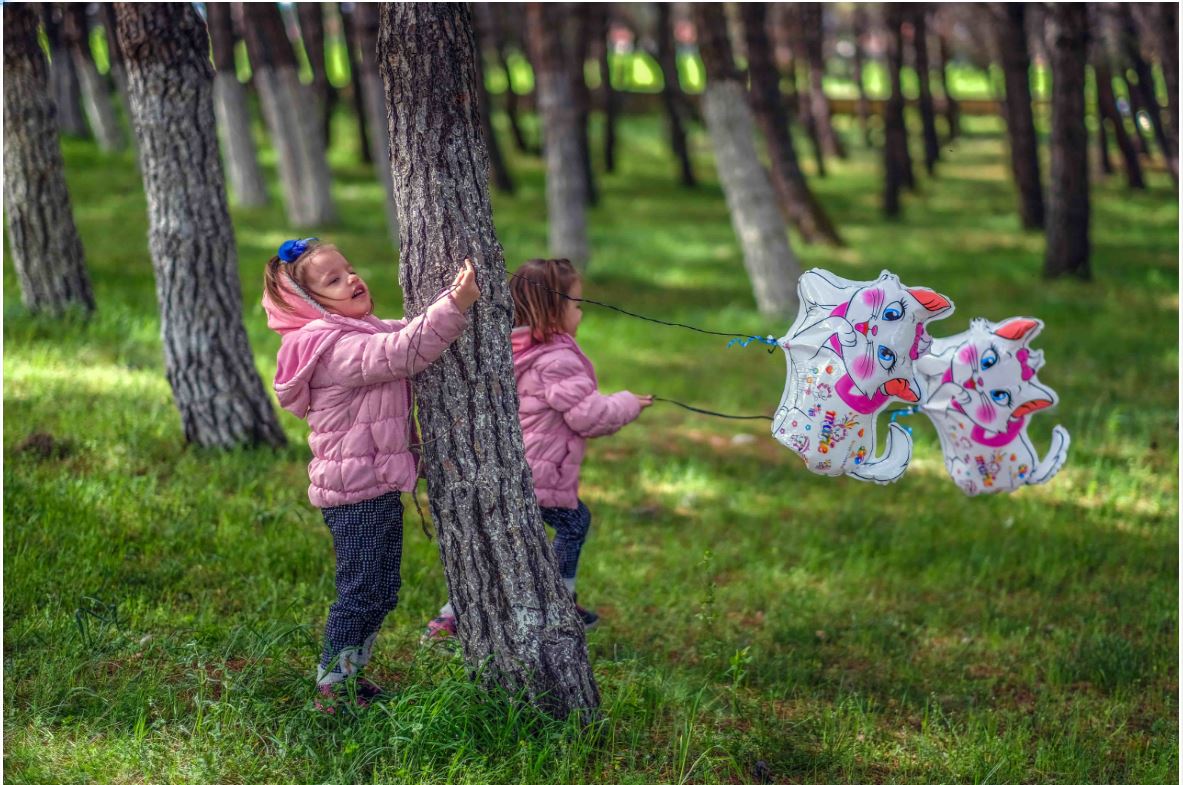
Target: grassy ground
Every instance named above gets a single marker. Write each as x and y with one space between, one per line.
163 604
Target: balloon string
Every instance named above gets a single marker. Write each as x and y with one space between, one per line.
714 414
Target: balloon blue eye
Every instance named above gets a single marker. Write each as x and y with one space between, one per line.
989 359
886 356
1000 397
892 313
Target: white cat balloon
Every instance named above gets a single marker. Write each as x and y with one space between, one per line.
979 389
850 352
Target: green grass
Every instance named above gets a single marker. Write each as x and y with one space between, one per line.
163 604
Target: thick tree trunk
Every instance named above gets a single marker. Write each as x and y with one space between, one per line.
813 32
609 98
500 173
1145 87
897 162
365 17
1068 196
770 262
928 116
233 113
566 187
293 118
666 57
46 250
207 357
580 32
1024 144
860 34
517 624
944 63
312 34
791 22
66 90
796 200
1107 110
96 98
349 32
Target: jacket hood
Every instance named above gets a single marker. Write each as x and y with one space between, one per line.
304 310
527 349
301 349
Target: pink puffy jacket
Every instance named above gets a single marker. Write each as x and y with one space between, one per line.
560 409
348 378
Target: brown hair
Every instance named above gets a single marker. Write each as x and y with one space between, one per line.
277 267
538 288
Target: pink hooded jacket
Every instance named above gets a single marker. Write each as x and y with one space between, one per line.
560 409
348 378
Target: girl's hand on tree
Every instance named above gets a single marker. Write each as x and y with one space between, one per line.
644 401
464 288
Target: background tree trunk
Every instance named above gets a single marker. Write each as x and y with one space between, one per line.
349 32
1009 30
514 613
67 93
207 357
791 23
1167 27
96 97
312 35
897 162
666 57
1068 196
365 17
813 35
115 60
928 117
759 227
498 26
1145 87
233 113
944 63
46 250
796 200
565 184
579 29
609 98
860 34
292 115
1107 110
500 173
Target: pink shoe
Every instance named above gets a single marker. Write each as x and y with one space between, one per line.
441 629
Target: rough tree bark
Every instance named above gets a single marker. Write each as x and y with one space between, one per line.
96 98
1100 57
813 35
517 624
233 113
292 115
770 262
897 162
796 199
66 91
666 57
860 34
312 35
500 172
365 18
928 116
1068 196
1011 39
46 250
349 32
566 187
207 357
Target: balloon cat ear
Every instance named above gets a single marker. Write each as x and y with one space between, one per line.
1019 329
937 305
901 388
819 287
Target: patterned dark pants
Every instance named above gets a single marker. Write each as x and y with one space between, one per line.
570 531
368 541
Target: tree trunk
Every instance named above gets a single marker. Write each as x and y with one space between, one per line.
670 91
517 623
293 117
796 200
897 162
1068 197
791 23
566 188
500 173
770 262
349 32
233 113
581 32
1107 110
952 108
860 34
1024 144
207 357
66 91
609 98
365 17
813 32
1167 27
497 27
115 60
96 98
1145 88
312 35
928 117
46 250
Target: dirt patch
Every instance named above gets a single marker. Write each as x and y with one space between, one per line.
44 446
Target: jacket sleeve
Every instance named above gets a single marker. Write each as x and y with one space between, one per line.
569 389
360 359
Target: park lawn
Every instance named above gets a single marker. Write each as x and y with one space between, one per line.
164 604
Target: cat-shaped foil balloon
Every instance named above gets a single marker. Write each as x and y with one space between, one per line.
850 352
979 391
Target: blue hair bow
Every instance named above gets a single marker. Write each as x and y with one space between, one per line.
292 250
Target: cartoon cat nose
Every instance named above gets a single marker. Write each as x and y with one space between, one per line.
862 328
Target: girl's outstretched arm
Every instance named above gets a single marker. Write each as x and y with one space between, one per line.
572 392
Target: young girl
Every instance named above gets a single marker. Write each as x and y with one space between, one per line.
560 409
346 371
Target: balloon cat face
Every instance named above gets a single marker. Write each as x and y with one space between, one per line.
979 388
850 350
